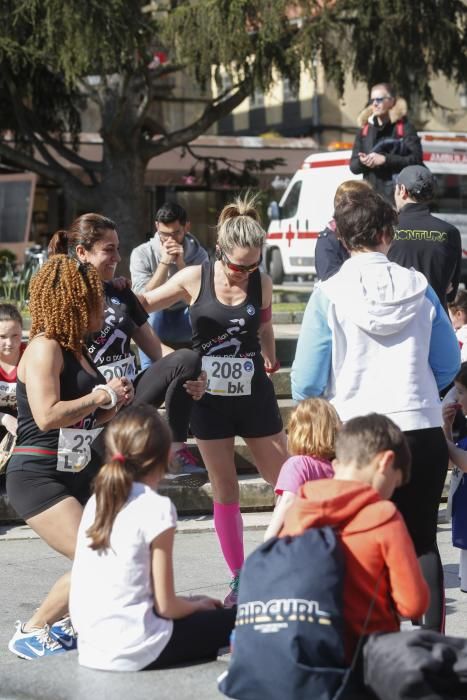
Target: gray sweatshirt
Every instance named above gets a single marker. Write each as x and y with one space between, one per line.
146 257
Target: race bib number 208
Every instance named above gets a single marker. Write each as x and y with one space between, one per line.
228 376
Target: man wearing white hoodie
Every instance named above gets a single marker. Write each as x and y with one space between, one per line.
375 338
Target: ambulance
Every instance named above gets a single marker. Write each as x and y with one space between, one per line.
307 204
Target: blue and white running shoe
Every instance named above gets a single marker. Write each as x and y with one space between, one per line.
64 632
32 645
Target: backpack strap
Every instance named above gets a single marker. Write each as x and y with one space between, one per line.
365 128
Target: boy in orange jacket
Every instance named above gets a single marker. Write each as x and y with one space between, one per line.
372 459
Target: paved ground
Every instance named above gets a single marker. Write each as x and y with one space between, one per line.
29 567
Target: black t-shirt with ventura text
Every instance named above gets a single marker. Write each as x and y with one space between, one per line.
110 347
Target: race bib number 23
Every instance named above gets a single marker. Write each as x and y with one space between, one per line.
228 376
74 448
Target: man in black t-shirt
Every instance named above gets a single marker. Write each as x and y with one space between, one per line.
422 241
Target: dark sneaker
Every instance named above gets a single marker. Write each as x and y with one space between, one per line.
64 632
232 596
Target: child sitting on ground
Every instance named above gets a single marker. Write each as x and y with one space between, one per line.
372 459
311 436
122 601
458 455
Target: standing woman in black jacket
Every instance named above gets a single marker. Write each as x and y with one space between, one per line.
386 142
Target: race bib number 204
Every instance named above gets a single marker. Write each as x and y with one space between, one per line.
120 368
228 376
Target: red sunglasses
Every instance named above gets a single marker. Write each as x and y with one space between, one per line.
240 268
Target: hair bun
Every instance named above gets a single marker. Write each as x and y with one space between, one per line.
240 207
58 244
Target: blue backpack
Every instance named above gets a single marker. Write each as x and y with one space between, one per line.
288 638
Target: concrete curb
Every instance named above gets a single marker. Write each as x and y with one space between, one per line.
186 525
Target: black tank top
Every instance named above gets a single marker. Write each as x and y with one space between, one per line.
222 330
75 382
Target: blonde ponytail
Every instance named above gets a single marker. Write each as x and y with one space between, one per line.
239 225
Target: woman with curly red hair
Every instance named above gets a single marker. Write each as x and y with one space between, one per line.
62 401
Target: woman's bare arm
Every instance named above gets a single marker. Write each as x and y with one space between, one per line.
183 286
41 366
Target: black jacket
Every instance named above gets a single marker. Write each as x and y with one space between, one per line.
431 246
410 153
329 254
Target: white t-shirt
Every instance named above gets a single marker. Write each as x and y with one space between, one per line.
111 598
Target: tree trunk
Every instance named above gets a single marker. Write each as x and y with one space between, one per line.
121 196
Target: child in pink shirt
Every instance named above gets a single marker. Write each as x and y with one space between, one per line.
311 436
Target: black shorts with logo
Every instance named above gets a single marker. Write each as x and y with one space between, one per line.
253 416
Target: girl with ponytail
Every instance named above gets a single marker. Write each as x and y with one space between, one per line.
230 309
123 602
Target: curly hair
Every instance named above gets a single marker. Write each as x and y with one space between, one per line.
312 429
63 296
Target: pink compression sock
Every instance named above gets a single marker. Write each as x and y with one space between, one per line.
229 527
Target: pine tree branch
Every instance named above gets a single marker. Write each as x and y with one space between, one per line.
210 115
29 126
50 172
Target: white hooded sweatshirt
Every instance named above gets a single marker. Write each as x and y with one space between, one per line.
376 338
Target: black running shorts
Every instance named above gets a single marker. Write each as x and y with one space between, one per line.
33 490
257 415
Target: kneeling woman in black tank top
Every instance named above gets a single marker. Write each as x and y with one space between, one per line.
230 309
173 379
61 397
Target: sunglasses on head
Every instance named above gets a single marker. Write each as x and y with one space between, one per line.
379 100
234 267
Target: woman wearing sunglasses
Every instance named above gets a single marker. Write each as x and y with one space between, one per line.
230 309
386 143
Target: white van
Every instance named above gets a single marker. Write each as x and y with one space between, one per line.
307 203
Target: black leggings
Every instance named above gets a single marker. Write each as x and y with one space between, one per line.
163 381
418 502
197 637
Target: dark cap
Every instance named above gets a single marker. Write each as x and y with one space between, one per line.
416 179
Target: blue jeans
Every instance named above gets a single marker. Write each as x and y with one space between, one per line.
172 327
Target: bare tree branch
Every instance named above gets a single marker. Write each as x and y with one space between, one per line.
210 115
50 172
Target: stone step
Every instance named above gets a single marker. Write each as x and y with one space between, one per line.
285 350
191 494
281 381
287 317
